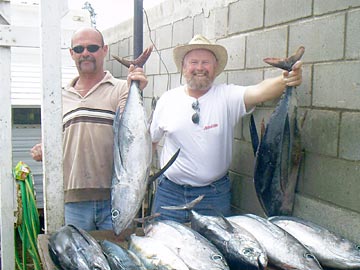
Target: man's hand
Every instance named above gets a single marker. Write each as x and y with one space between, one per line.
293 78
137 74
36 152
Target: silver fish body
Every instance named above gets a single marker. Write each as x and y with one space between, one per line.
120 258
72 248
283 250
330 249
240 248
195 250
154 254
132 160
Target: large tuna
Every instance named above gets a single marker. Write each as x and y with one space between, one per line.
72 248
120 258
241 249
195 250
154 254
283 250
331 249
132 157
276 162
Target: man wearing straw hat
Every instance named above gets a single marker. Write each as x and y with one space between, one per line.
199 118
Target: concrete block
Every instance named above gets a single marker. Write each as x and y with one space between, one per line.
245 77
265 44
235 47
244 199
352 50
326 6
175 80
337 85
199 22
149 89
182 32
149 38
152 65
160 84
215 26
116 68
349 146
163 37
331 179
241 20
167 60
282 11
323 38
243 158
124 48
320 132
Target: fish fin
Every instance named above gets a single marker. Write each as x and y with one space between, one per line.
162 170
144 220
262 128
187 206
253 134
139 62
228 226
286 63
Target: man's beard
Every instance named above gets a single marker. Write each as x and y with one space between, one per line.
196 83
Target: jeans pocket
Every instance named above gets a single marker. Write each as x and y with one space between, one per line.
222 186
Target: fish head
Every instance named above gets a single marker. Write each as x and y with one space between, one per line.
254 256
118 221
310 261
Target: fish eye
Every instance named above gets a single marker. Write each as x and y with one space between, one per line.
357 247
217 257
309 256
248 251
114 214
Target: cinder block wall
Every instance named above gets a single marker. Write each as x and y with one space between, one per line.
329 185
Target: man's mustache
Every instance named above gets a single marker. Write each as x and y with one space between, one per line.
86 58
200 73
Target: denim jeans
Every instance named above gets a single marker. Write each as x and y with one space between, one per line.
89 215
215 202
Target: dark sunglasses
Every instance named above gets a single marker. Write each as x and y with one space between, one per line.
90 48
196 116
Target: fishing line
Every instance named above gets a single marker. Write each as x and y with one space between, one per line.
157 51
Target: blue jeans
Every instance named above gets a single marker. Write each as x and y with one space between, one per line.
215 202
89 215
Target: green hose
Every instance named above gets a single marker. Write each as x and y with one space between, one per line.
29 227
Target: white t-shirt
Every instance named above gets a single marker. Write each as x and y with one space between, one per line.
205 148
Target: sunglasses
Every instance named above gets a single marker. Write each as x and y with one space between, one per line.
196 116
90 48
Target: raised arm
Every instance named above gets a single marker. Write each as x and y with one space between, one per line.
273 87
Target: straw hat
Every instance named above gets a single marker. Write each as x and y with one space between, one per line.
200 42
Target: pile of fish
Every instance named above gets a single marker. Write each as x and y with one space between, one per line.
211 242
